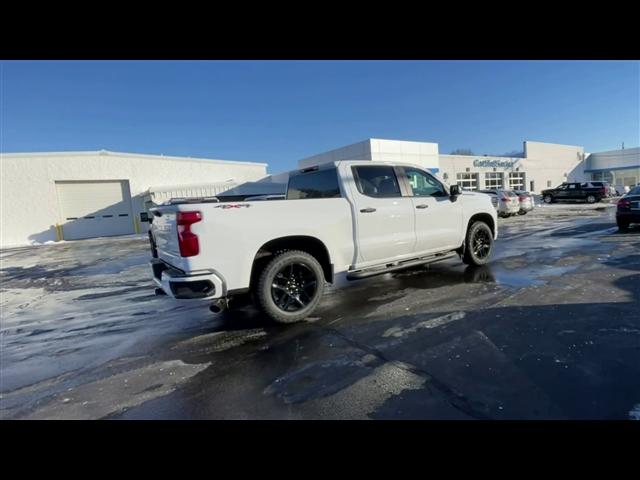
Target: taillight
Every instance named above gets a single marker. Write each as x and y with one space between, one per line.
187 240
624 203
154 249
522 198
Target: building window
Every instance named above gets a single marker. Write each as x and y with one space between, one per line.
548 183
602 177
493 180
467 181
517 181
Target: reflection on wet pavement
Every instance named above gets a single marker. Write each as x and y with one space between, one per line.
549 329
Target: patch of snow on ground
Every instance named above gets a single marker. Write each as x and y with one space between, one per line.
75 306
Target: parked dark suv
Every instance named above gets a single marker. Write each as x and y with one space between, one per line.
608 191
628 211
574 191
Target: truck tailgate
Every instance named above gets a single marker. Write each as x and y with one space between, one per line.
165 234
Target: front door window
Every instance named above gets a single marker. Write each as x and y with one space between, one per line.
424 185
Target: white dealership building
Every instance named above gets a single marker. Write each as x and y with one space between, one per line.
540 165
73 195
618 167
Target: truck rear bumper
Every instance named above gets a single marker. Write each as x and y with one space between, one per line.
632 216
181 286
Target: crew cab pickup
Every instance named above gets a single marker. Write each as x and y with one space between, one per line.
574 191
349 219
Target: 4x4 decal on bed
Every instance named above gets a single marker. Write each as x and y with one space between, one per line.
237 205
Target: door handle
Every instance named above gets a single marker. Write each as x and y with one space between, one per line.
368 210
424 205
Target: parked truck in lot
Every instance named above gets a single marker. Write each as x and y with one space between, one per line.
348 218
574 191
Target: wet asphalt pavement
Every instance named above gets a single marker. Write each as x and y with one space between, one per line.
549 330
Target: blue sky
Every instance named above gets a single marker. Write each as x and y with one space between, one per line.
279 112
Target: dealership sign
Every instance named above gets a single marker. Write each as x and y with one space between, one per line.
495 163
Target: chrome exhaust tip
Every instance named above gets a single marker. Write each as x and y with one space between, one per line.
219 305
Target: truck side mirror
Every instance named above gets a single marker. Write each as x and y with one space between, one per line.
454 190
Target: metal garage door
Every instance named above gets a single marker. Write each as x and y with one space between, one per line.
95 209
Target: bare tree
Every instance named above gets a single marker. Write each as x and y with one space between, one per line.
462 151
514 153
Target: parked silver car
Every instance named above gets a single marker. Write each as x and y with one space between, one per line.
527 202
507 202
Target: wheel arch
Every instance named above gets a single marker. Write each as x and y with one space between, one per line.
312 245
483 217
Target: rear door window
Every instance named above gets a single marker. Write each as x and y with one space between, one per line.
318 184
376 181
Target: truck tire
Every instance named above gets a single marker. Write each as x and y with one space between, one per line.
591 198
478 244
290 286
622 225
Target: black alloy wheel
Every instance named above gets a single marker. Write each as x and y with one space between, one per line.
482 243
290 286
294 287
478 244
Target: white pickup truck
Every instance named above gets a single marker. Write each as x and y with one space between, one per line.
349 218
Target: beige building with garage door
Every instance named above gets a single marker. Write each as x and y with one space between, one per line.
74 195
